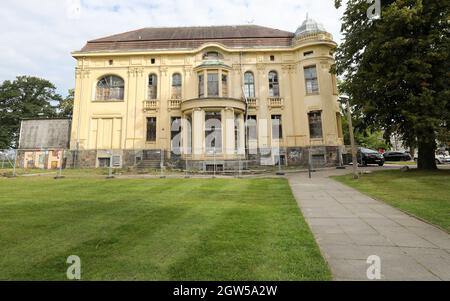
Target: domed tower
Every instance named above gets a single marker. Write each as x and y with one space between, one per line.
308 27
311 29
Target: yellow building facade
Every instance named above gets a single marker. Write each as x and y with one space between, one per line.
225 93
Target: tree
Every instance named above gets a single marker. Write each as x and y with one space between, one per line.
397 70
25 97
367 137
66 105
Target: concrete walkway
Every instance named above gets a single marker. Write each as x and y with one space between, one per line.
350 226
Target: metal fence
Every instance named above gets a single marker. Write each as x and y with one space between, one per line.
211 162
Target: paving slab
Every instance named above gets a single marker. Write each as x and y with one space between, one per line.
349 227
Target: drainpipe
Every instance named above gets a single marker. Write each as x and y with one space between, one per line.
246 108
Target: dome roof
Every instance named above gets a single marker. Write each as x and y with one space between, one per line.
309 26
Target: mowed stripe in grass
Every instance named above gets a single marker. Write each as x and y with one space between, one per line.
161 229
421 193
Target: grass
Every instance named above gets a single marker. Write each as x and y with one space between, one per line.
423 194
161 229
406 163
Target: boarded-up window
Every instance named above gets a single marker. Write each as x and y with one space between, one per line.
152 86
176 86
151 129
251 127
213 84
277 127
201 85
224 85
105 133
175 134
213 132
315 124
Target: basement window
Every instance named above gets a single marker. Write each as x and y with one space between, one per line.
111 62
152 61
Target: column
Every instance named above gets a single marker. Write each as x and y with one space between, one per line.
198 130
228 132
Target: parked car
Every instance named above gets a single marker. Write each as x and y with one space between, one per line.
368 156
397 156
440 159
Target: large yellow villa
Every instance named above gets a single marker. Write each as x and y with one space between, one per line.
221 94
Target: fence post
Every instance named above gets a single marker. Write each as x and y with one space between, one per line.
214 169
161 165
280 171
186 174
61 160
110 174
15 160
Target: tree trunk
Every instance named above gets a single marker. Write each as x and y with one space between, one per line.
427 152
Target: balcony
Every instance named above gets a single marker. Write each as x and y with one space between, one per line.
275 102
252 102
175 104
151 105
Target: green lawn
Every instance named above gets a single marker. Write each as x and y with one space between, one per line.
162 229
423 194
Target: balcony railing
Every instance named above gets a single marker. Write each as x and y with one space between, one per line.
276 102
151 105
252 102
174 104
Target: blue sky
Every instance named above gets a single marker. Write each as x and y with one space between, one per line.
39 35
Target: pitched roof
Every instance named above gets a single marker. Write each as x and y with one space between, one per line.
192 37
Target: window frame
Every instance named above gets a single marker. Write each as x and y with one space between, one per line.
280 126
149 138
274 81
249 85
154 95
310 115
314 80
177 87
121 88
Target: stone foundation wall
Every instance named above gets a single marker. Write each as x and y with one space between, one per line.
324 156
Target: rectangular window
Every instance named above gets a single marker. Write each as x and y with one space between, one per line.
175 134
224 85
237 132
201 85
213 84
315 124
277 127
213 132
311 81
151 129
251 127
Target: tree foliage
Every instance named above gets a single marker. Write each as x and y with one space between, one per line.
25 97
397 69
65 107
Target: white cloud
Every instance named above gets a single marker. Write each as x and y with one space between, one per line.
37 36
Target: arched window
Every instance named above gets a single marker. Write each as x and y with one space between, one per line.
152 86
274 85
110 87
176 86
212 55
249 85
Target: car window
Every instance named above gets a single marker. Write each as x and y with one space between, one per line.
368 151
